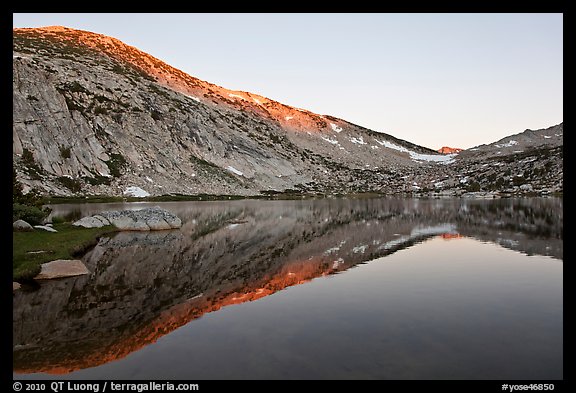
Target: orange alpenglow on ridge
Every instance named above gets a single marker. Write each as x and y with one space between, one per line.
450 236
449 150
298 120
294 273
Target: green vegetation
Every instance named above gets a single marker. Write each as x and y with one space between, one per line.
100 110
72 87
30 166
156 115
65 152
96 180
115 164
27 207
31 214
73 185
31 249
54 200
214 171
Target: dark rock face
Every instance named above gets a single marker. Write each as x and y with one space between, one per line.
144 285
95 116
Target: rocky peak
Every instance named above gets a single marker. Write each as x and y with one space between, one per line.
92 115
449 150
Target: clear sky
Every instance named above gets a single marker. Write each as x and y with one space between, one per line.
433 79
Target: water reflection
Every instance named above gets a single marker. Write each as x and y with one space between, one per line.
145 285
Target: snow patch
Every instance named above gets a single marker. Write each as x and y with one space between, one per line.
335 128
359 141
507 242
547 137
442 158
335 248
337 262
192 97
150 180
332 141
136 192
257 101
234 170
289 117
508 144
195 297
419 232
360 249
236 96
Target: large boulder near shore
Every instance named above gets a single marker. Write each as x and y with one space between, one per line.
148 219
95 221
61 268
22 226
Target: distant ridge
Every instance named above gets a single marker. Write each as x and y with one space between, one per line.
449 150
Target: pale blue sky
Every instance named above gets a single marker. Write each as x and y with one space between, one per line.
433 79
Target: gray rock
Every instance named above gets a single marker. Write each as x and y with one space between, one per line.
45 228
15 286
22 226
153 218
61 268
102 219
157 224
95 221
526 187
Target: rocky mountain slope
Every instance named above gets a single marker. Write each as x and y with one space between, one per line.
92 115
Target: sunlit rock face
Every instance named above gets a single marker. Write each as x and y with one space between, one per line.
144 285
92 115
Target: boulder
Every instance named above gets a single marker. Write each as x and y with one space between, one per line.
45 228
22 226
157 224
15 286
61 268
148 219
526 187
96 221
125 220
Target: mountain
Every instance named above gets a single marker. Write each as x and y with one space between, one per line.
94 116
449 150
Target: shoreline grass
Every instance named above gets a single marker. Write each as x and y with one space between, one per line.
31 249
56 200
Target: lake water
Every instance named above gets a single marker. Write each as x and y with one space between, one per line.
312 289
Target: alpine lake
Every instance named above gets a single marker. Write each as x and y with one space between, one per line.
351 288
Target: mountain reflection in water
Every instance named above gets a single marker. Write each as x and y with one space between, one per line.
145 285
